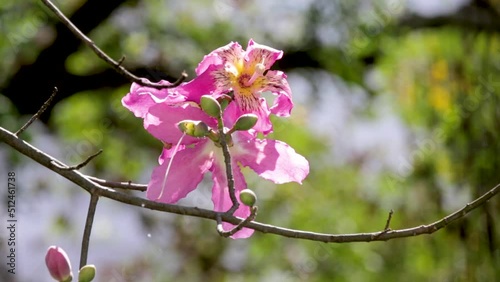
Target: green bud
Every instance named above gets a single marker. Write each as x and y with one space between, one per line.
245 122
87 273
210 106
194 128
248 197
224 101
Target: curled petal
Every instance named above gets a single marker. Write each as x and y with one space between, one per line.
278 85
162 119
272 160
257 53
221 199
185 173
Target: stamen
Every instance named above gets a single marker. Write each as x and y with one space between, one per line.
169 165
260 68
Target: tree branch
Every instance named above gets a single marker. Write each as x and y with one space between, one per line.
94 188
116 65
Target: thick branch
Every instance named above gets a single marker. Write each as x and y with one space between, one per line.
384 235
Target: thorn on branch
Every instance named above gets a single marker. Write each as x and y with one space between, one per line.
78 166
105 57
38 113
241 225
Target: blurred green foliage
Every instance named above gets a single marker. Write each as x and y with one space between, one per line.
442 81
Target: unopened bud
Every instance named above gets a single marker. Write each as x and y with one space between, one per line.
245 122
87 273
248 197
58 264
210 106
193 128
224 101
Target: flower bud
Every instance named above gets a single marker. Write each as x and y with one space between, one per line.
58 264
87 273
248 197
245 122
224 101
194 128
210 106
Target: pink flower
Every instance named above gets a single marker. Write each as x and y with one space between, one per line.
247 74
57 262
270 159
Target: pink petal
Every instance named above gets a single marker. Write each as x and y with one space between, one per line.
141 98
203 84
167 153
186 172
221 199
278 85
272 160
230 53
257 53
162 119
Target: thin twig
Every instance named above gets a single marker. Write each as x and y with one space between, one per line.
80 165
387 225
38 113
241 225
80 180
229 168
388 222
116 65
88 229
122 185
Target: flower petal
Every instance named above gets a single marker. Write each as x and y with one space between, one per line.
231 53
162 119
185 173
277 84
221 199
257 53
203 84
141 98
272 160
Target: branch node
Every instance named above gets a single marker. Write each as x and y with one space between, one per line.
38 113
241 225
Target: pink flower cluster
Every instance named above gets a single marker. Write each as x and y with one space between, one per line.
243 75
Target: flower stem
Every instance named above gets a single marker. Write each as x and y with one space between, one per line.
94 197
229 168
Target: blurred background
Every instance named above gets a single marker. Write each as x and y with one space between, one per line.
396 107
